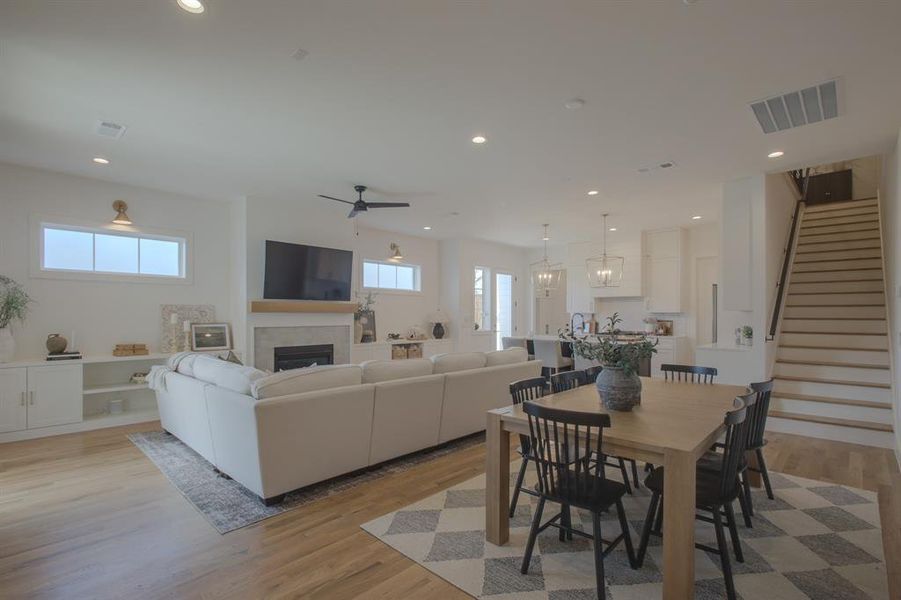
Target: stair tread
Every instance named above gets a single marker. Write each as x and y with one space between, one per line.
827 363
827 206
867 384
805 347
832 421
833 332
833 318
829 400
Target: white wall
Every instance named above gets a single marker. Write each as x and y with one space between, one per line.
105 313
890 198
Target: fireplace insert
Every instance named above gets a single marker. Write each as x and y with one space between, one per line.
299 357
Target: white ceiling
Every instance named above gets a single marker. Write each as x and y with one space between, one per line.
392 91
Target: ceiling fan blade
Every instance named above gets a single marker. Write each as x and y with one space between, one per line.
353 213
338 199
387 204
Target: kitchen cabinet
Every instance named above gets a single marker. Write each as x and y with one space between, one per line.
40 396
579 295
13 399
667 278
670 350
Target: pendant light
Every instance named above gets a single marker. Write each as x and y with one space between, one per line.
605 271
546 276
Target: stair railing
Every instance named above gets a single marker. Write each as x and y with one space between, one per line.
801 181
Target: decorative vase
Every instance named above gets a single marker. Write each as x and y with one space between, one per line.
358 331
56 344
438 331
618 391
7 345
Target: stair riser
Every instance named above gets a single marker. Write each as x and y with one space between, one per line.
837 237
830 372
863 342
835 246
838 265
805 257
807 326
846 287
845 212
867 226
832 432
863 357
838 411
831 390
863 312
865 299
852 275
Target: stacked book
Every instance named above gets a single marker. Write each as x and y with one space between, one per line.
72 355
130 350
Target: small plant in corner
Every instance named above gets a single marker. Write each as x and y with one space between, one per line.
13 302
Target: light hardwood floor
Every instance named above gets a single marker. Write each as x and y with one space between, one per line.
88 516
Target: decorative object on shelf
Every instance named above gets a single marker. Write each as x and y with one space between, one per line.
396 254
650 324
618 384
211 336
414 351
13 307
139 377
365 316
664 327
172 329
747 335
131 350
439 320
393 336
116 406
56 343
605 270
738 336
398 352
121 218
546 276
416 333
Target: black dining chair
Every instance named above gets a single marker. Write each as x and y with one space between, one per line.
563 444
757 416
523 391
715 491
591 373
690 373
567 380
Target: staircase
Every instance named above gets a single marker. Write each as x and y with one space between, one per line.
833 374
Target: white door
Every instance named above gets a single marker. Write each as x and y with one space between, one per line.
706 269
503 307
13 408
54 395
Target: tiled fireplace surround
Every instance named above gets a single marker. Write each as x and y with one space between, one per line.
269 331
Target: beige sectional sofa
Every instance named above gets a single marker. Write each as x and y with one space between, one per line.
277 433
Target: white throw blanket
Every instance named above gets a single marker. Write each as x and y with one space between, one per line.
156 379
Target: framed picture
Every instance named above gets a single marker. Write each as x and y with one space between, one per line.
210 336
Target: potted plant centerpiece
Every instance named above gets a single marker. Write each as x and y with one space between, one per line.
13 307
618 384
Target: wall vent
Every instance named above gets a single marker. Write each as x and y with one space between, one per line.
110 130
794 109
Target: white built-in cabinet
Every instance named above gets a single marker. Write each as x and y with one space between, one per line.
666 275
40 396
670 350
579 296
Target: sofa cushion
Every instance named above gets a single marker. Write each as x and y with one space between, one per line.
375 371
457 361
183 362
298 381
509 356
237 378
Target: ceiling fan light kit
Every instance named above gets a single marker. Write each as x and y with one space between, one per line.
361 205
545 275
605 271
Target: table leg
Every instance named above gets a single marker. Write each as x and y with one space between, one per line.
497 481
753 476
679 526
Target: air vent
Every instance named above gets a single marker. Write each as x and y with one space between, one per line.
810 105
110 130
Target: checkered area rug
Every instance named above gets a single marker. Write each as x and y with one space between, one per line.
815 540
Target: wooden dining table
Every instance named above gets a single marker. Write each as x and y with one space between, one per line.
673 426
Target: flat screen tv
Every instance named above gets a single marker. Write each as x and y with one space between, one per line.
298 272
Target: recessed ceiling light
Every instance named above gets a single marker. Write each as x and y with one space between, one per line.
574 104
101 161
479 139
613 229
194 7
592 192
776 154
427 228
697 218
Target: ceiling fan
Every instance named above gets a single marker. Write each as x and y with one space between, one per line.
362 206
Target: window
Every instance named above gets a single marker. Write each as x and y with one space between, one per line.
65 248
390 276
481 299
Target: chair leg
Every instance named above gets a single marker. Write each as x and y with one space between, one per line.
598 556
745 512
635 474
733 532
627 537
724 554
625 473
566 523
658 523
516 488
761 463
646 531
746 489
533 533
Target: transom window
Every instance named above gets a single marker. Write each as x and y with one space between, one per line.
73 249
385 275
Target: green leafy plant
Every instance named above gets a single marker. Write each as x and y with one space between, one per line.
364 303
747 332
605 348
13 302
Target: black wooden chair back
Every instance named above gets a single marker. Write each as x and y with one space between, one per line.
735 444
563 444
688 373
530 346
567 380
591 373
758 413
525 390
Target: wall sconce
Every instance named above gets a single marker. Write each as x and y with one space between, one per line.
121 218
396 255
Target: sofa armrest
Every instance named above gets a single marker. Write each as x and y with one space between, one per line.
233 426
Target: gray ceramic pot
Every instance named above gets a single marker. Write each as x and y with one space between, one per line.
618 391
